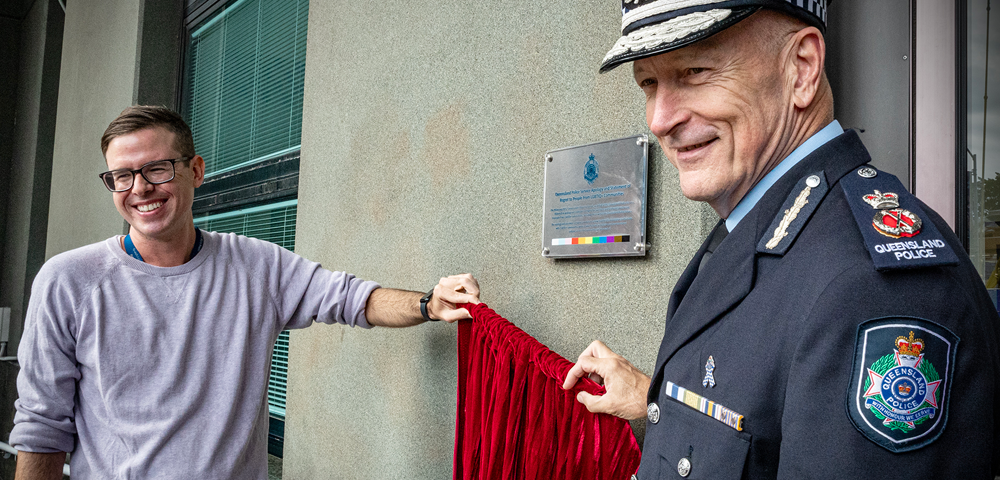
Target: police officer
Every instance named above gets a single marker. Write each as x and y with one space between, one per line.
831 325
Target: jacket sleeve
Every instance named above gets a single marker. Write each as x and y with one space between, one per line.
46 383
818 434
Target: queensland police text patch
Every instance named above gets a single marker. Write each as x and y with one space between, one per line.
896 230
898 396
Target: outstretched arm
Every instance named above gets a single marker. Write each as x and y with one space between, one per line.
389 307
626 385
39 466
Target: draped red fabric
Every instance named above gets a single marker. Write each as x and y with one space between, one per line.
516 422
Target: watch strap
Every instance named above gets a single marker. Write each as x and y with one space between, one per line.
423 306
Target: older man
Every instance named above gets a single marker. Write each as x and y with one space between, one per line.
147 355
830 326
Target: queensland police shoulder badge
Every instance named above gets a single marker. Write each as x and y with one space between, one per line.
900 381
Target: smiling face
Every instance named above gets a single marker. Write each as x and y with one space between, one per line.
160 213
720 110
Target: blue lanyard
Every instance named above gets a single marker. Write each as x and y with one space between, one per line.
134 253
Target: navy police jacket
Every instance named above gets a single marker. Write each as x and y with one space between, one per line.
839 331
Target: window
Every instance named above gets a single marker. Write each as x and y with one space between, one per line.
242 97
983 142
244 90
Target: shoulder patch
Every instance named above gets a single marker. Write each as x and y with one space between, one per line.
794 214
898 396
893 223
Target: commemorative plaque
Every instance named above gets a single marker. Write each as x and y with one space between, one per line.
595 199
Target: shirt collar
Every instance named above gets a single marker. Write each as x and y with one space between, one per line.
829 132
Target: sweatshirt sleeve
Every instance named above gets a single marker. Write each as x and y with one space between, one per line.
46 383
306 292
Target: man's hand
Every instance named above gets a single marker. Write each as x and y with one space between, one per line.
626 386
452 291
387 307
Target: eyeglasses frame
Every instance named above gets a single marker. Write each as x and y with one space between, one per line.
173 165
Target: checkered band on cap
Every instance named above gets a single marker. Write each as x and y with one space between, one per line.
651 27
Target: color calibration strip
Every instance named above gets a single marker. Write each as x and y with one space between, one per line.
705 406
590 240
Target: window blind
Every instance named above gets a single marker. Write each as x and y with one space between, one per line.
275 223
245 82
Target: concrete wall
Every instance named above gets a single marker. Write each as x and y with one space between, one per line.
96 84
424 130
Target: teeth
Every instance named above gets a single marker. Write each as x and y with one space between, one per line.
692 147
150 207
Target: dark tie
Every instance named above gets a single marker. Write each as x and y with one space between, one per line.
716 238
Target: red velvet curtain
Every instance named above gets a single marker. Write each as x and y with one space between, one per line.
514 419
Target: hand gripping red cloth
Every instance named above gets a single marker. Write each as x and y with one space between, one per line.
516 422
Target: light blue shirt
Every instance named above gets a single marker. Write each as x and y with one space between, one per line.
829 132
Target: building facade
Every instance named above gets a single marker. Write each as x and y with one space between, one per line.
416 152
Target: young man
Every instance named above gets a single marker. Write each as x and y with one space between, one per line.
147 355
831 326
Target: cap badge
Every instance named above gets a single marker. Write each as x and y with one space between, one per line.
709 380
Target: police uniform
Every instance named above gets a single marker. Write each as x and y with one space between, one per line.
793 331
838 331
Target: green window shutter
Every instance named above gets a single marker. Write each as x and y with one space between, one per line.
245 80
275 223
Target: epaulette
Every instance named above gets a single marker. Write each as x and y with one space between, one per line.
794 214
892 222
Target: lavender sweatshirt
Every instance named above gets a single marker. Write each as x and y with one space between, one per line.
150 372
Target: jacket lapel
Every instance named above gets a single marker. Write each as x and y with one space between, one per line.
701 299
684 283
724 281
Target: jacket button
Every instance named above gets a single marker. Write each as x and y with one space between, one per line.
684 467
653 412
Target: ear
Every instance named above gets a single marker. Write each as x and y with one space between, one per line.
198 167
808 55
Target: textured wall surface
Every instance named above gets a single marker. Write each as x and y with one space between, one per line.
424 130
96 84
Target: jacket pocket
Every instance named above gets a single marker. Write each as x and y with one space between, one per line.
688 441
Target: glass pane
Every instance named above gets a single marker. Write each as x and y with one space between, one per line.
983 155
275 223
245 81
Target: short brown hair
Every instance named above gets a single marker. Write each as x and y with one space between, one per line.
139 117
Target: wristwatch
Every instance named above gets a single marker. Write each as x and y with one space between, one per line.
423 306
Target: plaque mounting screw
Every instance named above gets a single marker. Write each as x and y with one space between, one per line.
641 246
548 157
545 251
641 141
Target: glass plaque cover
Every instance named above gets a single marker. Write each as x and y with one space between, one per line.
595 199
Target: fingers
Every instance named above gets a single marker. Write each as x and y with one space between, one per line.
585 365
458 289
592 402
573 375
449 293
597 349
452 314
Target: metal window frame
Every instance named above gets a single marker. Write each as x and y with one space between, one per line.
961 124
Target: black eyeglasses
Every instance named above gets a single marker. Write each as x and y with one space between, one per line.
155 173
